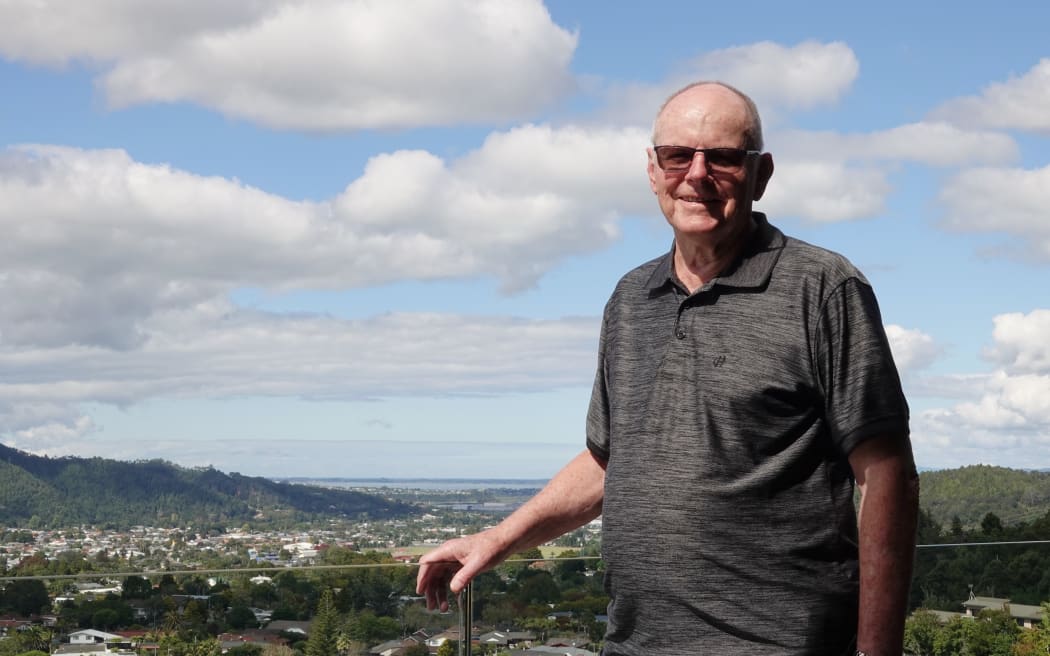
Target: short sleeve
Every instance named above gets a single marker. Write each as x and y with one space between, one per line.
862 389
598 415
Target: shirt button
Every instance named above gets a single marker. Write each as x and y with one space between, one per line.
680 334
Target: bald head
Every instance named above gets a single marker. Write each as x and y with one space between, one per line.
703 101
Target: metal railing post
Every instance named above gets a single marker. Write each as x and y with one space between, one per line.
466 618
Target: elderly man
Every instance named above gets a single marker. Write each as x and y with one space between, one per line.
744 385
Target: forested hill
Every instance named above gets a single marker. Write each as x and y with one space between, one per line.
59 492
972 492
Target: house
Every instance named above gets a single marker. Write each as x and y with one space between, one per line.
1026 616
92 637
569 641
94 649
82 650
91 641
9 626
393 647
944 616
506 638
436 641
289 626
258 637
557 651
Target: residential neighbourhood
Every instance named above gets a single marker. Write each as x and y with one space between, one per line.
267 555
102 563
257 590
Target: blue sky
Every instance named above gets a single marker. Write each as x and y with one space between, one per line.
375 239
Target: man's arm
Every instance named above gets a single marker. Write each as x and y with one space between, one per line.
889 504
571 499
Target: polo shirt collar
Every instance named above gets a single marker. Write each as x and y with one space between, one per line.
752 269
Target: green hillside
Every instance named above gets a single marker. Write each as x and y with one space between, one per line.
59 492
974 491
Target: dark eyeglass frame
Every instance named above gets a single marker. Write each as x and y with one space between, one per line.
716 159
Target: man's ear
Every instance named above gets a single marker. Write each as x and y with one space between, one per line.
651 168
763 174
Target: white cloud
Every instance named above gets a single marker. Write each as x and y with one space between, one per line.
825 192
1019 103
41 420
598 165
912 349
827 177
930 143
807 75
354 458
999 200
214 350
1022 342
95 243
54 32
117 273
1007 418
778 77
324 65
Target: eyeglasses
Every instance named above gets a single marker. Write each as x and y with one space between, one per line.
680 158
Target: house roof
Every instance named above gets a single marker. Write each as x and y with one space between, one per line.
1024 611
388 646
985 602
288 625
557 651
504 637
945 615
93 633
14 623
74 650
1018 611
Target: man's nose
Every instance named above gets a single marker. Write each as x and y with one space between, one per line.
697 168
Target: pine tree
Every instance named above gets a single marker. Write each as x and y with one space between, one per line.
323 631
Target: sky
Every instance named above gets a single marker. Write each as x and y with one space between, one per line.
374 239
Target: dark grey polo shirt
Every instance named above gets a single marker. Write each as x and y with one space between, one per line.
726 417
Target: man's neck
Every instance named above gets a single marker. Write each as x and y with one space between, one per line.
697 260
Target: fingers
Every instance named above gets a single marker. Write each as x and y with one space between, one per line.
449 568
433 583
461 579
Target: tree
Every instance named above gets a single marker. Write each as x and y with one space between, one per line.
572 568
105 619
991 634
920 633
369 628
447 648
1037 641
928 531
35 639
322 641
136 587
26 596
995 575
950 641
991 525
536 587
241 617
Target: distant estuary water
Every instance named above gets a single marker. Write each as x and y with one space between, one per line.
434 484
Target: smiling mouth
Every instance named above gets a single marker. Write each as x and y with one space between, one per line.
696 199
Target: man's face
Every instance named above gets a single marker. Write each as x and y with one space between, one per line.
706 200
